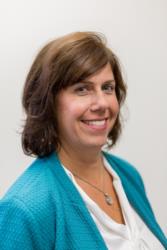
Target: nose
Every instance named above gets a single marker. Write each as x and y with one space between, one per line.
99 102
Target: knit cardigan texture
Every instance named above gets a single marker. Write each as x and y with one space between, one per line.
44 211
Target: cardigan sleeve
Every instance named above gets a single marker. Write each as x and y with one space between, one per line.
18 228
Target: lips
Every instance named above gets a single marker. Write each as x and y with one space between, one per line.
98 124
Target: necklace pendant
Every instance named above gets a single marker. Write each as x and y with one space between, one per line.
108 199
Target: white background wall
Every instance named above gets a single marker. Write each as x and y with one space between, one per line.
137 31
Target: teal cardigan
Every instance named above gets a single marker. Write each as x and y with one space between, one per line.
44 211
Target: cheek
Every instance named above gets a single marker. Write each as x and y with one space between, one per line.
72 109
117 108
115 105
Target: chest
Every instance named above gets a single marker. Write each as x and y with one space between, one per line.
113 210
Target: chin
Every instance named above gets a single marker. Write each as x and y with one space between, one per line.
96 144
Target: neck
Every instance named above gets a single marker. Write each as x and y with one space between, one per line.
86 163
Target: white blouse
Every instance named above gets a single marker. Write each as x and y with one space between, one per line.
134 235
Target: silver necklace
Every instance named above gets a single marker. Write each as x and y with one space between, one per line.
107 197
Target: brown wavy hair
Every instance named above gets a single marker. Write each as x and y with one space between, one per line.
61 63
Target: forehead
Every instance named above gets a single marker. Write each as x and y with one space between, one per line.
104 74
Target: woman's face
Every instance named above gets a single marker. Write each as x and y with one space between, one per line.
87 110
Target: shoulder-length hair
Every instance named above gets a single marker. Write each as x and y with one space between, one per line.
59 64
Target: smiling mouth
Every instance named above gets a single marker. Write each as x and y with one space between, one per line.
96 124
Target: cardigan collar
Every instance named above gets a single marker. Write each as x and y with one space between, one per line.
137 199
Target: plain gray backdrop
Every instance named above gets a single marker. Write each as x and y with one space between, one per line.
137 32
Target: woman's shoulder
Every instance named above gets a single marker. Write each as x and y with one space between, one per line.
120 162
125 170
27 208
34 186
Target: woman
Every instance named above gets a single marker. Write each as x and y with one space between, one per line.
76 195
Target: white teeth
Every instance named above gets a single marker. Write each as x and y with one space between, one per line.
96 123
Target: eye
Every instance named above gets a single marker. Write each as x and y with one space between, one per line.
82 90
108 88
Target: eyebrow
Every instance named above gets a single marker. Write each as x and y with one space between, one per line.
89 82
